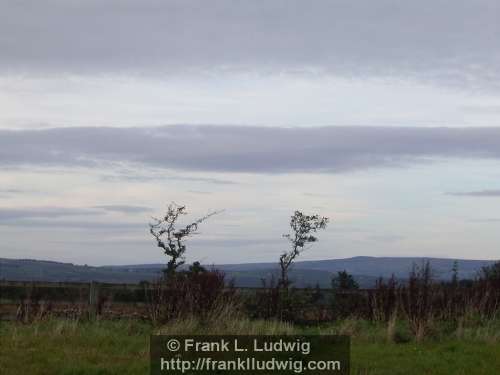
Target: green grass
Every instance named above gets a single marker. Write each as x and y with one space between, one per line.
122 347
66 347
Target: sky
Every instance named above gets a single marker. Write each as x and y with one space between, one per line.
383 116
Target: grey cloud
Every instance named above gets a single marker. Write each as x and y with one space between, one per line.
486 221
453 41
247 149
20 191
132 176
13 191
199 192
478 193
54 223
482 109
236 242
316 195
100 242
10 214
6 193
124 208
385 238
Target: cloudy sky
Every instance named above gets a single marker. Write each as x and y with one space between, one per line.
383 116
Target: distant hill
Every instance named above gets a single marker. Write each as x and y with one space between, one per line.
366 270
41 270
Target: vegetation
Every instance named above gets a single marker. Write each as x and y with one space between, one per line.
419 326
303 227
453 329
344 281
195 292
171 238
63 347
365 270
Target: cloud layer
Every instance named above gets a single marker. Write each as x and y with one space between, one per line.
478 193
125 209
453 41
247 149
9 214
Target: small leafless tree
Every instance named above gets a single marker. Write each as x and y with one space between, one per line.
303 227
171 238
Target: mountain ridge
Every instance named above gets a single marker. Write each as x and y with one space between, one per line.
365 269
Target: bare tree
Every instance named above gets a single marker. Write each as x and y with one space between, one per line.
171 238
303 227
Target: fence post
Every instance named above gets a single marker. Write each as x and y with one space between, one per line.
93 299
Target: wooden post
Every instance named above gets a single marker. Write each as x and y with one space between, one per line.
93 300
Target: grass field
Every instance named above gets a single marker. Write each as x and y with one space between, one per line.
122 347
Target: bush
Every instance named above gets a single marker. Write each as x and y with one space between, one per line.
192 293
